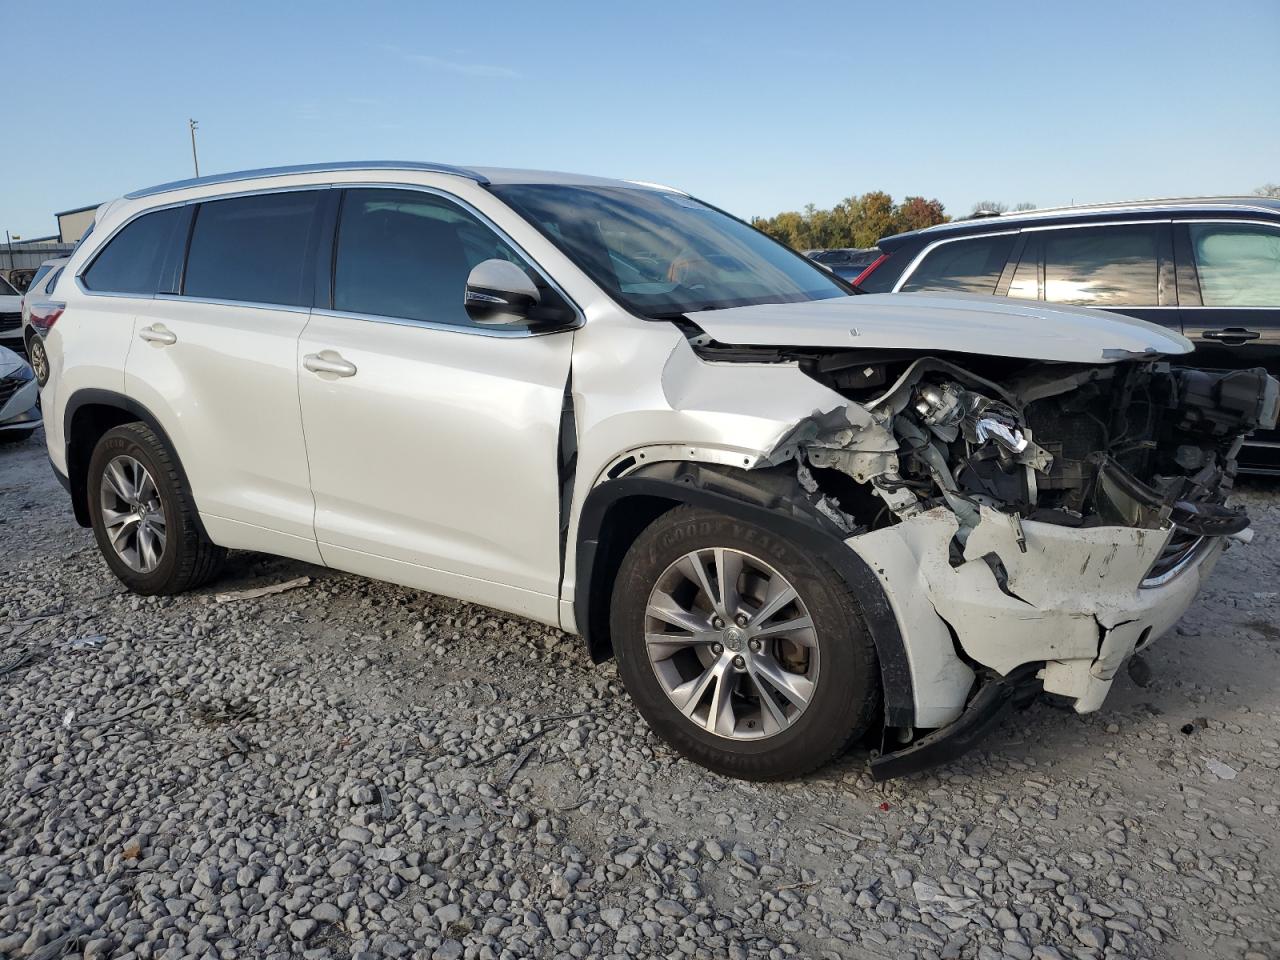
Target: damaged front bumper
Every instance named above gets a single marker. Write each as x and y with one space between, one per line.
1072 602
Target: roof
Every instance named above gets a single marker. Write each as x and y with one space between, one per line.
482 175
1094 211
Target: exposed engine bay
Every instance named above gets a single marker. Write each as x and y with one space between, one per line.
1031 522
1136 443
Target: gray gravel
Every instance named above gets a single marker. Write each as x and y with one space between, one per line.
350 769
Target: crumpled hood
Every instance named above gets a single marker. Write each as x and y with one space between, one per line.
993 326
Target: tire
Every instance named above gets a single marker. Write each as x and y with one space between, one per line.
186 558
842 678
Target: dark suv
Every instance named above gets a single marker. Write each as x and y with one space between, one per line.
1209 268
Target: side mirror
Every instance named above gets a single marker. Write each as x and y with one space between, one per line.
498 292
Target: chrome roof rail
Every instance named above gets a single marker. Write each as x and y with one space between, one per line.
415 165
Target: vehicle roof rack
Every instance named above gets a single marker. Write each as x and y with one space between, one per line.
233 177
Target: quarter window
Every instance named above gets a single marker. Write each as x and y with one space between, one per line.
253 249
407 254
963 266
1238 264
1103 266
131 261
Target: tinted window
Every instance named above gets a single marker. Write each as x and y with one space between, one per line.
131 260
1238 264
404 253
6 289
963 266
1102 266
253 249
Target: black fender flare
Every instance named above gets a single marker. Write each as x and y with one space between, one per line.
689 483
94 396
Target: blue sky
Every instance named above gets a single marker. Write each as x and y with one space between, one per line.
757 107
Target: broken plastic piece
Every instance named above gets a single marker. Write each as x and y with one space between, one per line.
232 595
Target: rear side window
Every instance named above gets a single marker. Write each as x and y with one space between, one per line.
253 249
963 266
1238 264
1103 266
132 259
407 254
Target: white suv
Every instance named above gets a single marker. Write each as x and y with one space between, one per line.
787 510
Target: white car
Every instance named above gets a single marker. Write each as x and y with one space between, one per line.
39 292
610 407
10 316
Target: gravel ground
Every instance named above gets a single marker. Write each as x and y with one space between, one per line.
354 769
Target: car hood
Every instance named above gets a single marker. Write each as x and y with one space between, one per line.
993 326
10 304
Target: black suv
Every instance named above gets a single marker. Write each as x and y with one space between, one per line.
1208 268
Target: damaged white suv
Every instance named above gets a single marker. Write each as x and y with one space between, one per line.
789 511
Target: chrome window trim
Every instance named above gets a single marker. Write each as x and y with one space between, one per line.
301 168
1098 223
514 332
919 258
222 302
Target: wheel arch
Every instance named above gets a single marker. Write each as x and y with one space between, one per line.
90 413
616 512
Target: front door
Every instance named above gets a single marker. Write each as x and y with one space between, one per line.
433 442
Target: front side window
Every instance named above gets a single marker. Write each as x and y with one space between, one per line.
132 259
963 266
1103 266
407 254
253 249
662 254
1238 264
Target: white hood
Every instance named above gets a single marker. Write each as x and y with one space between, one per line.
993 326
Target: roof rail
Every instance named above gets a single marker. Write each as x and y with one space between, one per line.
416 165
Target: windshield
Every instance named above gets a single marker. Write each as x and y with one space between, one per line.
661 254
6 290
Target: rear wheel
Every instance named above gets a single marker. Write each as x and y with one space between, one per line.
144 518
741 651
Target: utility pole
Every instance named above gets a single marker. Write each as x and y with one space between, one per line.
8 240
194 159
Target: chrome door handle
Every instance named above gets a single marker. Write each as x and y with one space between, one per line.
329 361
158 333
1231 335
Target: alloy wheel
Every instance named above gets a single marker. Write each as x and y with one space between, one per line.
732 644
133 513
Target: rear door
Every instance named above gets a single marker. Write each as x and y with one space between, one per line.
1229 281
215 360
1229 291
1123 267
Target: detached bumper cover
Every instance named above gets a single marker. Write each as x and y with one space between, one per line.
1077 600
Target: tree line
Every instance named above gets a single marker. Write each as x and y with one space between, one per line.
860 221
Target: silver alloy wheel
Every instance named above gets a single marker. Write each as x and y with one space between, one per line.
39 361
132 513
732 644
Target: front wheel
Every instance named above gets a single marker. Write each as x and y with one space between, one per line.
741 651
143 516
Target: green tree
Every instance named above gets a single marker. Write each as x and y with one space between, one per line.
856 221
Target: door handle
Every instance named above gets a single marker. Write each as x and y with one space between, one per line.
1231 335
329 361
158 333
